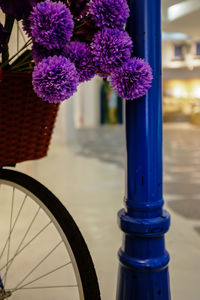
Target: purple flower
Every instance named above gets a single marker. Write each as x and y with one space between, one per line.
39 52
110 48
51 24
17 8
133 79
109 13
55 79
79 53
3 36
26 25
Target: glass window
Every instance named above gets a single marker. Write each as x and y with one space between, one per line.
198 49
178 51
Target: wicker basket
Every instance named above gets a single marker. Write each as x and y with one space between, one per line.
26 122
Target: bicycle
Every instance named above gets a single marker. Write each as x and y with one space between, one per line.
39 225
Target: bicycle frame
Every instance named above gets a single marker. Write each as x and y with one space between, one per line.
143 270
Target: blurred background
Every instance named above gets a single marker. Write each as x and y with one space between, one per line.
85 165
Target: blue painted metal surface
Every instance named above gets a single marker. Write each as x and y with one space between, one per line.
143 271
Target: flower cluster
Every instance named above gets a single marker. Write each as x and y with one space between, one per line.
51 24
133 79
112 49
53 30
75 39
80 54
55 79
109 13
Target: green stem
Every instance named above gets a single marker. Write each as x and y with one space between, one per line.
25 57
9 22
79 26
17 67
28 43
25 69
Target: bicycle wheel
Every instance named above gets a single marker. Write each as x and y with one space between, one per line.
43 254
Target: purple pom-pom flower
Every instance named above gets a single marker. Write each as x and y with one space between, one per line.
133 79
109 13
51 24
3 36
55 79
80 54
110 48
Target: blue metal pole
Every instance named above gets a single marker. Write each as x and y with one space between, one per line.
143 269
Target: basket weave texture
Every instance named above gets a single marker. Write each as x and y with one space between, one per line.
26 122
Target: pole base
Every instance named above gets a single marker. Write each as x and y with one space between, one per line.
134 285
143 271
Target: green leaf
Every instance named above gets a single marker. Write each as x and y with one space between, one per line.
26 56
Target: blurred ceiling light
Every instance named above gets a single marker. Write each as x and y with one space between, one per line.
179 92
196 93
182 9
174 36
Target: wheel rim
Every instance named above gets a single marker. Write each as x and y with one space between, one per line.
39 261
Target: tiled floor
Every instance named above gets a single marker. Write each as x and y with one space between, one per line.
89 180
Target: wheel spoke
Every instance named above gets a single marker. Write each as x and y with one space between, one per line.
25 277
26 245
42 276
19 246
19 212
9 238
45 287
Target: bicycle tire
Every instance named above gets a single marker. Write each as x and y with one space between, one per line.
81 255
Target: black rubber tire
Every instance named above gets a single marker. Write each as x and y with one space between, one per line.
79 248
